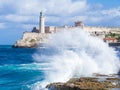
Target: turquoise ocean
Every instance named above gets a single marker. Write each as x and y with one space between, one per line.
67 54
17 68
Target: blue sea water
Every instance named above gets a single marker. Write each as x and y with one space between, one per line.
18 70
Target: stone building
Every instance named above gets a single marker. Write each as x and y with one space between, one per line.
39 35
79 24
95 31
110 40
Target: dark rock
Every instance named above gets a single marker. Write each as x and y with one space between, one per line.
86 83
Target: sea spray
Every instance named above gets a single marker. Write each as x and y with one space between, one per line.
74 53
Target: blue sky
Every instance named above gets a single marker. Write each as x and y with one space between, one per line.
18 16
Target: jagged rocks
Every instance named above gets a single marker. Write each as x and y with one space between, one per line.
86 83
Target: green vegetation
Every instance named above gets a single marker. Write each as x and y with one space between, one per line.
32 40
118 38
113 35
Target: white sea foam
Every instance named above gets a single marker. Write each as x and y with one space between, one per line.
75 54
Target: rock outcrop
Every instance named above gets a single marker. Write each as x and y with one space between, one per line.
87 83
32 39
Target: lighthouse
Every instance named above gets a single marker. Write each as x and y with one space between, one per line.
42 23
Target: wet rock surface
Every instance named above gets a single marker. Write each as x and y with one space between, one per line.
99 82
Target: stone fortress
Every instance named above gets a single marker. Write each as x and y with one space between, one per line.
39 35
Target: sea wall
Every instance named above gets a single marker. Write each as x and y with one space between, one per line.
31 39
100 29
85 28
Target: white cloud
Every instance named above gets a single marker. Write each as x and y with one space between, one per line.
114 12
14 18
52 19
62 11
28 10
104 15
19 18
27 27
67 7
5 2
51 6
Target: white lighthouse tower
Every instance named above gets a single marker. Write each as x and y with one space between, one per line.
42 23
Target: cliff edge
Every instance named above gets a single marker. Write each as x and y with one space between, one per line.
31 39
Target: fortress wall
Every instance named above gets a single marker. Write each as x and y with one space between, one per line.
27 41
37 36
27 35
89 29
100 29
57 29
31 39
97 29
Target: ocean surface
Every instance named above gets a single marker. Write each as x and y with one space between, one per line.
18 71
75 54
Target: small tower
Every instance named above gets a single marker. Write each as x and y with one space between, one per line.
41 23
79 24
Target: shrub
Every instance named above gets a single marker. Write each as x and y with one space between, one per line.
32 40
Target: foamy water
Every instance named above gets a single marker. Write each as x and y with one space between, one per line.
74 54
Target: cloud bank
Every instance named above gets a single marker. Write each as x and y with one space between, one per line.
22 15
62 11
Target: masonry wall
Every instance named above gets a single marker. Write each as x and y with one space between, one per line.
31 39
99 29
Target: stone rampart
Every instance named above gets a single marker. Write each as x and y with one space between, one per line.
31 39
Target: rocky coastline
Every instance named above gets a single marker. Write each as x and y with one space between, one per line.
31 40
34 39
98 82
